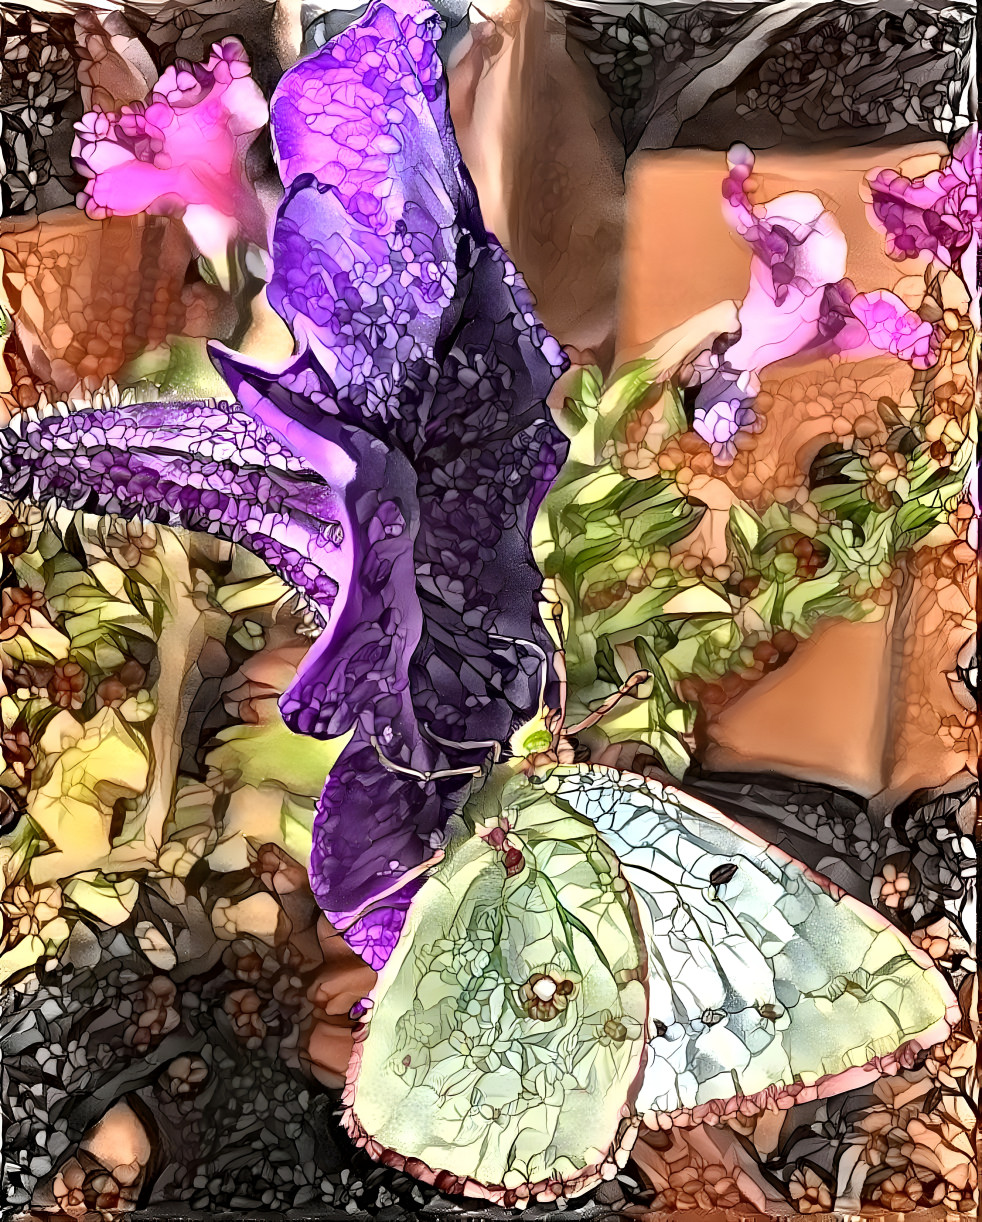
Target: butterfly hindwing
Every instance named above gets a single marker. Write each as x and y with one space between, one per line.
506 1033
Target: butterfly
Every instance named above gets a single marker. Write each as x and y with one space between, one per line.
598 950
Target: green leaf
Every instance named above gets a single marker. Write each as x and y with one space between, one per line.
632 616
805 602
269 753
247 595
625 391
587 387
745 529
134 587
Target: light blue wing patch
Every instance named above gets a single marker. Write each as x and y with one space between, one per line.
765 982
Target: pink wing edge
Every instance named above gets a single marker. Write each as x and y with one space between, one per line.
777 1098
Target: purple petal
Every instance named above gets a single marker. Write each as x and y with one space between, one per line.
374 936
366 243
374 828
359 112
936 215
203 466
356 299
444 588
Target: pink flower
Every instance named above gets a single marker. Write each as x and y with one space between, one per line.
180 152
891 327
798 300
935 215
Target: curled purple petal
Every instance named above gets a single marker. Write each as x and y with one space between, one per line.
204 466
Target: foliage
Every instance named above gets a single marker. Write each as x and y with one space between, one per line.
614 542
141 668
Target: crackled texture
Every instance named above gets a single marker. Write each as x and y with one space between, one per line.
761 985
766 982
417 394
162 954
505 1034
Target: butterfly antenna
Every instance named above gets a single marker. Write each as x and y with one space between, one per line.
483 744
555 717
556 611
438 775
625 689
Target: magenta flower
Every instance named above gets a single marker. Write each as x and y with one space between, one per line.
181 152
798 301
935 215
891 327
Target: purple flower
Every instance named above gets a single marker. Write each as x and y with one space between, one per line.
205 466
936 215
420 357
798 300
414 415
180 152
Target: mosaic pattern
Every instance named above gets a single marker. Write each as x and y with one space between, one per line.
505 1039
522 994
708 75
454 396
737 965
610 685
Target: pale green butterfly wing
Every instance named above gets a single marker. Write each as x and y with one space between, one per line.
762 985
766 984
506 1033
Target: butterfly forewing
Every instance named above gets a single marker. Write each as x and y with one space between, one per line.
603 948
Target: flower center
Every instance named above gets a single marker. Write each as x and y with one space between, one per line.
544 989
